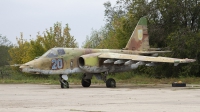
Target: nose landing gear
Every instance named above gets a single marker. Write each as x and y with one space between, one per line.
63 82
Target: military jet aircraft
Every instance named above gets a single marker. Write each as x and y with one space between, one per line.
100 62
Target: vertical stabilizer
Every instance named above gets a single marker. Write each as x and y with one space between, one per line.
139 39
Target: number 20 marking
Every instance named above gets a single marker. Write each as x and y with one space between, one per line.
56 64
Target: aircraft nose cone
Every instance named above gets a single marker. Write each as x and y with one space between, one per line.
21 68
27 66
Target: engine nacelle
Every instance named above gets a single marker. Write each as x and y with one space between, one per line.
90 63
89 60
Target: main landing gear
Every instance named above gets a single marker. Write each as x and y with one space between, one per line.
110 83
85 81
63 81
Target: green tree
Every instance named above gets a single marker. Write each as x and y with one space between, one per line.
185 43
20 53
5 45
54 37
94 39
57 36
171 23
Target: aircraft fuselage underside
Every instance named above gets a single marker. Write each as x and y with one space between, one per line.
85 69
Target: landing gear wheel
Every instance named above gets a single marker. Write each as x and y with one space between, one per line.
86 82
64 84
110 83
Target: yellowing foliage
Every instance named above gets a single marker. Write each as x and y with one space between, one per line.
54 37
21 53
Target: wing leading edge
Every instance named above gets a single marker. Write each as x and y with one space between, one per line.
140 58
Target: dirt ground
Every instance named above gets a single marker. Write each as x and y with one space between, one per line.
135 98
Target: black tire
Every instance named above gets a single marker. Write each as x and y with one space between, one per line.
66 85
177 84
110 83
86 82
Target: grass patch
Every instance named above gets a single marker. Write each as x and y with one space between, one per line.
137 79
15 77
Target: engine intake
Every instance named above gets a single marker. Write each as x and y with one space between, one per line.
90 63
81 61
89 60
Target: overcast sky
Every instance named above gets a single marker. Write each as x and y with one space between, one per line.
32 16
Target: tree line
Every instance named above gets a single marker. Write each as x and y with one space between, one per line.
172 24
26 50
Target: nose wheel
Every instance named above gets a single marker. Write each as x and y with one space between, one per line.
63 83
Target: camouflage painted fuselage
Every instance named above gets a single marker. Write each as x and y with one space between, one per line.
70 62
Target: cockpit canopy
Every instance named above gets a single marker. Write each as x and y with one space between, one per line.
54 52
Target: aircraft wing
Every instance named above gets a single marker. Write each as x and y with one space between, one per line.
144 58
150 52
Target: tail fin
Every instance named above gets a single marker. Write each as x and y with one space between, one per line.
139 39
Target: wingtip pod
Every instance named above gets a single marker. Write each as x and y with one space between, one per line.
176 62
186 60
190 60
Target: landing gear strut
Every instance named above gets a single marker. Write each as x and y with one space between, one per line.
63 82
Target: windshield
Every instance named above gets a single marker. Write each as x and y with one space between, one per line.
54 52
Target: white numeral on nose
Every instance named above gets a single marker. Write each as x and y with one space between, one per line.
56 64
